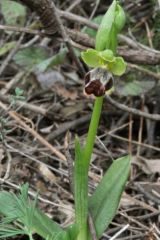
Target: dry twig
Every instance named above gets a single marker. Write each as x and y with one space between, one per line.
17 118
155 117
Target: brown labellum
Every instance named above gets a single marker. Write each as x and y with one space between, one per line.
98 81
44 9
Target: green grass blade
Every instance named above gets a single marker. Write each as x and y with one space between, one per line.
104 202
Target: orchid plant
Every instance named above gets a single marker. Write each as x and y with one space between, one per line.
92 214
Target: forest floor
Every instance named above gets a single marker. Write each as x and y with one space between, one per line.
42 98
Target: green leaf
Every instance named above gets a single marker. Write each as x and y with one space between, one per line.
7 47
31 56
9 231
105 200
8 205
33 220
58 236
118 67
135 88
80 190
14 13
44 226
91 58
103 38
52 61
72 232
19 91
18 209
25 208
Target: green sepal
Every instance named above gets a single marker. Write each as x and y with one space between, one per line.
91 58
104 202
106 55
94 58
118 67
104 59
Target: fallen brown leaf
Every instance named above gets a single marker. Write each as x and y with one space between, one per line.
47 173
66 93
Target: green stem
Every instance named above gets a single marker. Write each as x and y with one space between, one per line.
31 236
81 172
92 130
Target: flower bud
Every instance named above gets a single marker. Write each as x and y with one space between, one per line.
120 18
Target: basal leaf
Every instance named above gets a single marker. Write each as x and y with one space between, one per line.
105 200
118 67
80 190
72 232
31 56
52 61
135 88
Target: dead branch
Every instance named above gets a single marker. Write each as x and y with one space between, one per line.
155 117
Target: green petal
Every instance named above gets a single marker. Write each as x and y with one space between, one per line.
91 58
118 67
107 55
